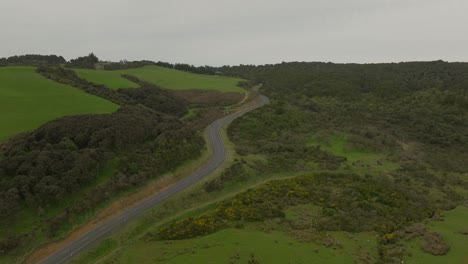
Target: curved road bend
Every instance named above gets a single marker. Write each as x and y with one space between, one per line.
116 222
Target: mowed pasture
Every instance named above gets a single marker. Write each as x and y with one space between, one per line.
163 77
111 79
28 100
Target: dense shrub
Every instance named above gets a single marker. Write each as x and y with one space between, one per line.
236 172
434 244
32 60
390 105
64 155
84 62
349 202
191 227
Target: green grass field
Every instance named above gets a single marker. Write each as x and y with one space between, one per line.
237 246
357 159
111 79
27 100
163 77
454 222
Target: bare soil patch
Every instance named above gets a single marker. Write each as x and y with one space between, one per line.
210 98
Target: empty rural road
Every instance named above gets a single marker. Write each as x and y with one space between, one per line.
118 221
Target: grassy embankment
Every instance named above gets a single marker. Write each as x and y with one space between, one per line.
28 100
163 77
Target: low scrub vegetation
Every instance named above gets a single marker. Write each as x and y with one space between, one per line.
349 202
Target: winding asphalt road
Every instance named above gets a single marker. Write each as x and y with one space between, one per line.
99 232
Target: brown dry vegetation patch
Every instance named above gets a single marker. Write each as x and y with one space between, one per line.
204 117
209 98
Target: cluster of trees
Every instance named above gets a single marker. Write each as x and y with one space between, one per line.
50 60
87 62
190 68
65 155
32 60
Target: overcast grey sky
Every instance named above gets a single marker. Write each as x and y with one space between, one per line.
218 32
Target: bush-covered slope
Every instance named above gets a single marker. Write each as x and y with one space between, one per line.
419 109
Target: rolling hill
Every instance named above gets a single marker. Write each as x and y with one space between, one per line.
27 100
163 77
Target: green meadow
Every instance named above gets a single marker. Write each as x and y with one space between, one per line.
163 77
357 159
27 100
453 229
238 246
110 79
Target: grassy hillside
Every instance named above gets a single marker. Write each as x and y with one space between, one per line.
28 100
163 77
110 79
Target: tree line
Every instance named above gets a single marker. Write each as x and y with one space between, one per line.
176 66
91 61
32 60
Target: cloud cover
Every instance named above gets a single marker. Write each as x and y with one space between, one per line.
218 32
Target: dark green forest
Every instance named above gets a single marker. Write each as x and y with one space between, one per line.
32 59
417 105
87 62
